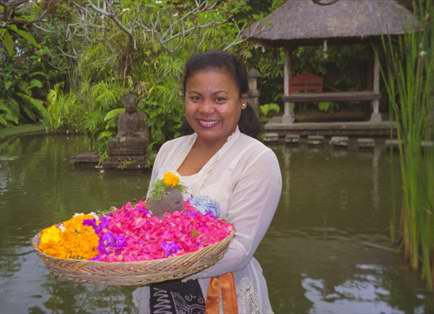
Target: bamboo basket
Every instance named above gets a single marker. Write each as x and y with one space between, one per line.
134 273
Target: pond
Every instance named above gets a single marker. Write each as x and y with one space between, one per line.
328 249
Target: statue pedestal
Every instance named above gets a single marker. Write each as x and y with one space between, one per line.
92 160
127 146
125 162
124 153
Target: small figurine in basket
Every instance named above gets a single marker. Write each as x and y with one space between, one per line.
166 195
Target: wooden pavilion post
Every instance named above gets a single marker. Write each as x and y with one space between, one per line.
376 116
288 113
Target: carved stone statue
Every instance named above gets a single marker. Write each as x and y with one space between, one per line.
132 137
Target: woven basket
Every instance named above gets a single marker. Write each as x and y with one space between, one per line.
134 273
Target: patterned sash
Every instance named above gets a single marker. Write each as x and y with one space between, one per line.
176 297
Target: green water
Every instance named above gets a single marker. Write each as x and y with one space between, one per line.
328 249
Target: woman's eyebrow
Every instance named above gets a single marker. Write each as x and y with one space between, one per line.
220 91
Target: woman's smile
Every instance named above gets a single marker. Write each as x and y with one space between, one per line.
208 124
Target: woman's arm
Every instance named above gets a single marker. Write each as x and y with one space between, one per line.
253 203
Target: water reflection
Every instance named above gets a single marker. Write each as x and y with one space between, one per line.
362 294
330 240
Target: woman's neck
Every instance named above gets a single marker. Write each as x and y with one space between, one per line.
210 147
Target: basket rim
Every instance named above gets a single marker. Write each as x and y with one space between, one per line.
35 241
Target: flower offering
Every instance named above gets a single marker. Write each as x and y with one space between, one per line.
72 239
134 233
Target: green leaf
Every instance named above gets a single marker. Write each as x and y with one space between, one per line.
24 34
29 113
8 84
39 73
3 122
113 114
7 113
35 83
8 43
35 104
105 134
325 106
13 106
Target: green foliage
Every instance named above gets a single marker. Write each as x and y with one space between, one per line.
108 61
327 106
64 111
408 75
159 189
18 90
267 110
7 116
23 75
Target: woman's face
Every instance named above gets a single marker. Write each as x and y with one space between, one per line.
212 105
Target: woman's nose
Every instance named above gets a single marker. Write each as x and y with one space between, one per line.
207 106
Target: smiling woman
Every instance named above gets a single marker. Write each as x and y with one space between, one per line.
220 162
215 90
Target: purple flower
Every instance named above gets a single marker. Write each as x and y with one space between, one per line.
110 242
169 247
98 228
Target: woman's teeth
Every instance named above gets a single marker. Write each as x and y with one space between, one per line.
208 123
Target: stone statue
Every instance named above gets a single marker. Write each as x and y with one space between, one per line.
132 137
172 200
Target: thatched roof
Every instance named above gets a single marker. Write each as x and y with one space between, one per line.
304 21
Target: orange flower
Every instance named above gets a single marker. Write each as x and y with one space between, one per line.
170 179
75 240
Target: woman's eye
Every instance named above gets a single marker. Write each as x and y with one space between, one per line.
220 100
194 98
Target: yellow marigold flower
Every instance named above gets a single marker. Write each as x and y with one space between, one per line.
170 179
49 236
77 241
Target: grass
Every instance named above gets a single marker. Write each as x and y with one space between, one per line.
409 77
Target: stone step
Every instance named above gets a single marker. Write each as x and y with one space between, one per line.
292 138
392 144
270 137
427 144
366 143
315 139
339 141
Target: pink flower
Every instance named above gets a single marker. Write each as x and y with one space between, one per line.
132 233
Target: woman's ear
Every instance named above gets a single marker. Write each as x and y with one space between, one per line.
243 99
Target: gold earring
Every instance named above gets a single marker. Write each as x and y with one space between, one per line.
243 106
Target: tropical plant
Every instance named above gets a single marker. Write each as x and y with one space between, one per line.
116 47
408 75
64 112
21 78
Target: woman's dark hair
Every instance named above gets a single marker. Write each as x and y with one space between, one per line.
249 123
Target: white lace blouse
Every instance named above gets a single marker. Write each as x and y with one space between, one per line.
244 178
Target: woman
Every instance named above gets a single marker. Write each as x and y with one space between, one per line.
223 163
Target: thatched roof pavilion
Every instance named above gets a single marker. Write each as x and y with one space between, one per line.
300 22
308 22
